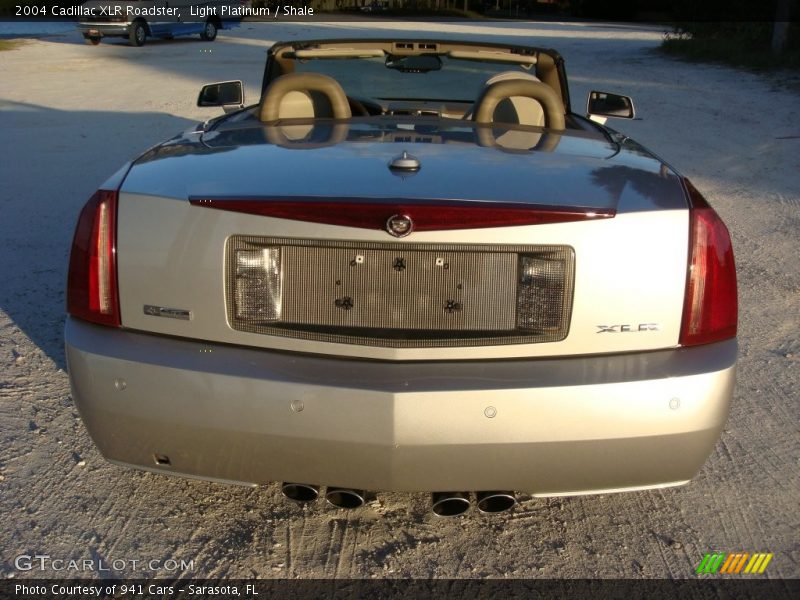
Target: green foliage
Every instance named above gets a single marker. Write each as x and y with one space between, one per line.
10 44
713 12
737 32
746 45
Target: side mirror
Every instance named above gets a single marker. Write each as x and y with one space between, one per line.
224 93
604 104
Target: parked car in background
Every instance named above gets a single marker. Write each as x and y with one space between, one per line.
374 6
137 20
410 266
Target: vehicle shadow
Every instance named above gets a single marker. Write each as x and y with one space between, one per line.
59 159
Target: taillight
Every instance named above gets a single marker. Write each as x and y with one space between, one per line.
710 309
427 215
92 281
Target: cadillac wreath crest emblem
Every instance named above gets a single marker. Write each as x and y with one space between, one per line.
399 225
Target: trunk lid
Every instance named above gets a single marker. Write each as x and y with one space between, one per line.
458 163
618 286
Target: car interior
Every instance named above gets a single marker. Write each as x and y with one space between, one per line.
512 97
531 94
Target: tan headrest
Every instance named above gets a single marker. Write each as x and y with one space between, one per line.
304 95
517 109
495 93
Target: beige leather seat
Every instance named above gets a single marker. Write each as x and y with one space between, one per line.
304 96
516 109
519 99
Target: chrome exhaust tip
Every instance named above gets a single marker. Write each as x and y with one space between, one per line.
495 502
300 492
450 504
345 497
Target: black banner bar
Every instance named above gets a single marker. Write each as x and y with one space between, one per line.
631 11
401 589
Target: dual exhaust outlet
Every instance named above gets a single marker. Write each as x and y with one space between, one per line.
443 504
338 497
452 504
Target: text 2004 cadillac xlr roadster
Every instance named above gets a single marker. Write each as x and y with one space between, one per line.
409 267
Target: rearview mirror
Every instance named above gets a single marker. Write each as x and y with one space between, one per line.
421 63
605 104
224 93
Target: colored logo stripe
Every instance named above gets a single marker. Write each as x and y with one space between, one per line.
710 563
758 564
732 564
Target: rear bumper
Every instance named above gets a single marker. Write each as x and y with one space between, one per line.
104 29
547 427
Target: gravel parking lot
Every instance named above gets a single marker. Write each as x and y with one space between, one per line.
71 114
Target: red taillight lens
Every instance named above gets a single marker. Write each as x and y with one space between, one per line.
430 215
710 310
92 280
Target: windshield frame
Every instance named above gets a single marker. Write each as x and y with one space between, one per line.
279 62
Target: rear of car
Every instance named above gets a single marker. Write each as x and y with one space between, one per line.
228 343
403 303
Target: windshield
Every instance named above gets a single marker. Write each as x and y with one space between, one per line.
454 80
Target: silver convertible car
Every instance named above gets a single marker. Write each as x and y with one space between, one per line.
409 267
